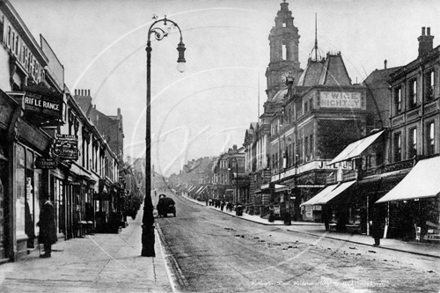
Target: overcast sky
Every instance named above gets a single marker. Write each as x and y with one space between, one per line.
206 109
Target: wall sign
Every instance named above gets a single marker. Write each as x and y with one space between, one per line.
341 100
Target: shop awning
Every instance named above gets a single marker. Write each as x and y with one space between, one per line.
356 148
319 195
201 189
335 192
421 182
278 187
191 188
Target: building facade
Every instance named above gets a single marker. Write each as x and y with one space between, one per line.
48 148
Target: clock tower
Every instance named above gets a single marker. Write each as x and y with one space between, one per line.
284 40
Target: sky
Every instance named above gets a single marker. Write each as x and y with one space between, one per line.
207 109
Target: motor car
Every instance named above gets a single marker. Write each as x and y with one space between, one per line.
165 206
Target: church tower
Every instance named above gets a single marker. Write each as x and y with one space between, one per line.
284 40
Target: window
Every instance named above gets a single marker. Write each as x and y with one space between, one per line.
13 42
311 146
1 30
397 145
284 52
412 143
412 93
430 137
398 99
306 148
9 36
16 45
430 82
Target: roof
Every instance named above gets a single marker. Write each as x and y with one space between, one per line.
279 96
330 71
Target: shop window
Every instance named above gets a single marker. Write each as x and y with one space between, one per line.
29 201
412 99
430 83
397 145
37 198
430 137
412 143
21 191
398 99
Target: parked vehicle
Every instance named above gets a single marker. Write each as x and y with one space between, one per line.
165 206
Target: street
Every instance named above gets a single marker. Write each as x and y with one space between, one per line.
219 253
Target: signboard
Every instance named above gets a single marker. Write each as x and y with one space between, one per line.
66 147
352 100
37 103
45 163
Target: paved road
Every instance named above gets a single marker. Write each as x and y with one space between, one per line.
219 253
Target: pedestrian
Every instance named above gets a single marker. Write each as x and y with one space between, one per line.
48 234
271 213
326 217
375 231
222 205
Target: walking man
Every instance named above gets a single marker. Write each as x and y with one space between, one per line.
48 234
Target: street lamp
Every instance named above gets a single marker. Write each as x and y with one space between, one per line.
236 179
148 218
282 165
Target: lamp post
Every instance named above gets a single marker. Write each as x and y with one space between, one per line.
237 199
148 218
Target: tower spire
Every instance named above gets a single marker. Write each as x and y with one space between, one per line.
315 54
316 36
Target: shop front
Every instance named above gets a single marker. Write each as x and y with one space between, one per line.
413 205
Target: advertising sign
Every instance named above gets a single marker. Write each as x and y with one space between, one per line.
42 105
352 100
66 147
45 163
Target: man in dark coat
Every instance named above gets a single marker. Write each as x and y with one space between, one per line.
48 234
376 231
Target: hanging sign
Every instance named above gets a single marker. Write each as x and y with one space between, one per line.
45 163
66 147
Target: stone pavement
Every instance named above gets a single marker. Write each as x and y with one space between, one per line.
95 263
318 230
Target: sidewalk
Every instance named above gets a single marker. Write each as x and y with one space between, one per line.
318 230
96 263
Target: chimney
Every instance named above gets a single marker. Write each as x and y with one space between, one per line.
425 42
385 64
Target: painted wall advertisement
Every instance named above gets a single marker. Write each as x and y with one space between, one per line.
352 100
